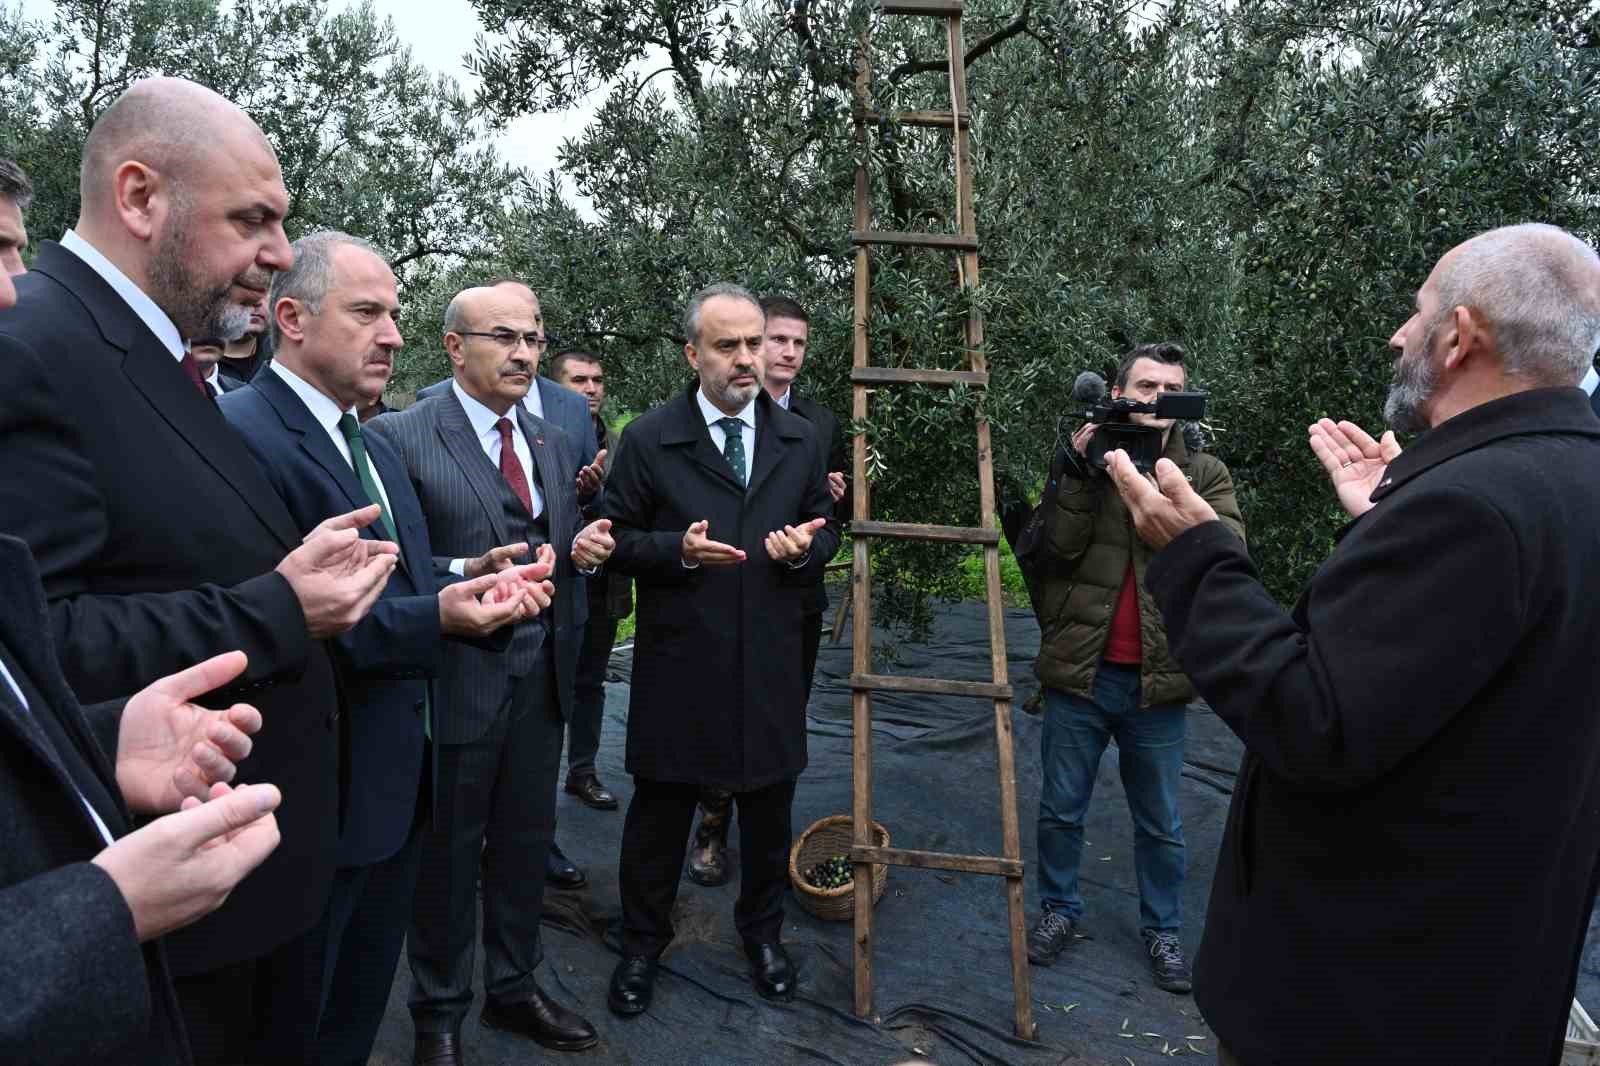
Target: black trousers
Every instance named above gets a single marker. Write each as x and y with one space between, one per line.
654 839
496 809
589 685
259 1012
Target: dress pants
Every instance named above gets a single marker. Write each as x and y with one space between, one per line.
654 840
259 1012
362 931
496 809
589 684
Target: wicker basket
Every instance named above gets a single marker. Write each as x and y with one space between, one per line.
824 839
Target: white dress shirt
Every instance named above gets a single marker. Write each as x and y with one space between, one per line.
783 401
483 424
719 437
327 414
214 379
16 690
534 400
151 315
1590 380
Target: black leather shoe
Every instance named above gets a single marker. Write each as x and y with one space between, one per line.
633 982
589 789
437 1049
771 971
542 1020
560 871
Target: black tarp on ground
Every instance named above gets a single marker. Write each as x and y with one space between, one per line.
943 988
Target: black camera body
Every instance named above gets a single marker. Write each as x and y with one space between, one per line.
1142 443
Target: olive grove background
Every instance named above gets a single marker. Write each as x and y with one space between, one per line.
1267 181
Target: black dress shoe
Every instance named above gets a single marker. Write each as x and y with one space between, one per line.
437 1049
771 971
542 1020
633 982
560 871
589 789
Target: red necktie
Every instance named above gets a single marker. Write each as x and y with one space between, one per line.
192 368
511 466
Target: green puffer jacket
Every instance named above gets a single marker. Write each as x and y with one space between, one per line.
1090 536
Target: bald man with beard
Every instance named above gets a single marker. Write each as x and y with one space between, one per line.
159 540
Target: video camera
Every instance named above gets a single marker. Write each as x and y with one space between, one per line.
1117 428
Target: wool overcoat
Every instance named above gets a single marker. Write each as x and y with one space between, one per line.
717 696
1411 852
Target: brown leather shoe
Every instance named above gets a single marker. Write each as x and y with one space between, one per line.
437 1049
708 860
593 794
542 1020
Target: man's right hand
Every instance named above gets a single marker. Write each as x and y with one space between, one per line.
182 866
481 605
336 575
698 549
495 560
1080 439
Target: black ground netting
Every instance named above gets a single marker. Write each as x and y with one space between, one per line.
943 986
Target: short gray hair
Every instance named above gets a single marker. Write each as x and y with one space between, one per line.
309 279
691 314
1539 287
15 186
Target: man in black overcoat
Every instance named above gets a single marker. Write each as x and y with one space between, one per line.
158 540
1411 854
720 510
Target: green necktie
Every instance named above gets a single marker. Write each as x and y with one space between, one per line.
733 446
358 458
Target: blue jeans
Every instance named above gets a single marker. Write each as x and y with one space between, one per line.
1150 747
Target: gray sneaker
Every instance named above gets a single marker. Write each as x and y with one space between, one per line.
1049 937
1167 964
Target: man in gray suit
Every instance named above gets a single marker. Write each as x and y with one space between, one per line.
558 405
486 471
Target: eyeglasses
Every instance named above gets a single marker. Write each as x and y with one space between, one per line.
509 339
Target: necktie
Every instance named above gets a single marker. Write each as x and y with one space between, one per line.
192 368
511 466
733 446
358 459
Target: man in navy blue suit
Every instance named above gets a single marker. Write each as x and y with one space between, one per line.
333 316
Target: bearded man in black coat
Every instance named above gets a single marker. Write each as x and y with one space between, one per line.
1412 842
720 511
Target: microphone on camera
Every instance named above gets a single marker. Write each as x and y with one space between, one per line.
1089 388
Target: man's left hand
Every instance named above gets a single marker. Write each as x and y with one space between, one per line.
169 748
590 477
836 485
792 542
1161 510
593 545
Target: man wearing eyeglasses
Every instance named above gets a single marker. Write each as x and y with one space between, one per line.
484 467
544 398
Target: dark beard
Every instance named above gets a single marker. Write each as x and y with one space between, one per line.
194 309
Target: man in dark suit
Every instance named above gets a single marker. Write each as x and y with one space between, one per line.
1432 693
783 353
336 338
16 193
563 409
159 542
610 601
488 472
721 513
242 358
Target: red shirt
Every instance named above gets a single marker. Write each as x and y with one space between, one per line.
1124 645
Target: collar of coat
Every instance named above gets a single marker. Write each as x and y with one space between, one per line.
687 426
1557 410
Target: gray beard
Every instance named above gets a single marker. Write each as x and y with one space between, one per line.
1412 388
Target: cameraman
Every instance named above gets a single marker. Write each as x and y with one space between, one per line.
1106 672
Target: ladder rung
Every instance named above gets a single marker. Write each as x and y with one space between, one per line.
938 860
946 8
911 531
890 375
956 242
932 119
933 686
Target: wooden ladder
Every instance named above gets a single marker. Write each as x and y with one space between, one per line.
864 377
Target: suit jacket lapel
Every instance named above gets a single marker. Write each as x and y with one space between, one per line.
393 473
22 618
770 443
542 445
314 439
455 431
689 428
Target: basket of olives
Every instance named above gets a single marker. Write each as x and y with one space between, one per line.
821 872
